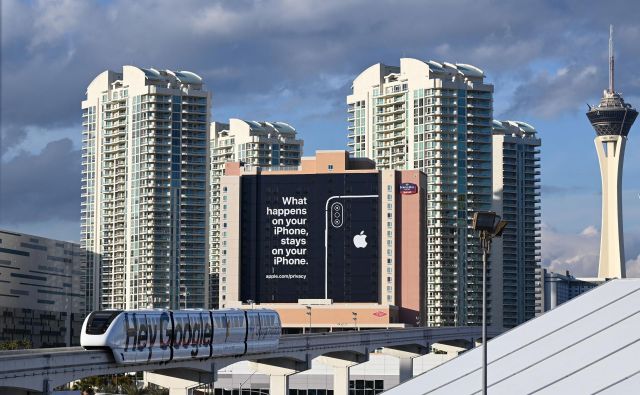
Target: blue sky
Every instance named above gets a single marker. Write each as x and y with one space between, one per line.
294 60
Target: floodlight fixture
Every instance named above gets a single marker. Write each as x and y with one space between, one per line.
484 221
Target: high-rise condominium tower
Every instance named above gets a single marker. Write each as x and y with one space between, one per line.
435 117
263 144
611 119
516 197
144 188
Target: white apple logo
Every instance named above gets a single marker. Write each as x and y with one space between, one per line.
360 241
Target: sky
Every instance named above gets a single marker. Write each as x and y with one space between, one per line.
294 61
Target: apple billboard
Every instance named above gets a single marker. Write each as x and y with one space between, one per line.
312 236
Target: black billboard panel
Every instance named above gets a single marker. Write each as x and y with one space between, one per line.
310 237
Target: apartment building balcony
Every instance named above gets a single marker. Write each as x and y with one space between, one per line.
394 94
383 120
482 104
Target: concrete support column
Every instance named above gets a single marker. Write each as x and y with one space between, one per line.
341 362
405 357
179 391
406 369
341 380
279 384
610 151
279 370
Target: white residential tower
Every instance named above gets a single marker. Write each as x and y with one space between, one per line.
436 117
516 198
145 190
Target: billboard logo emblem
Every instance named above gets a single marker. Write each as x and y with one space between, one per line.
408 188
360 241
379 314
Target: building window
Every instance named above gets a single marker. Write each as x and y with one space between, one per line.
330 167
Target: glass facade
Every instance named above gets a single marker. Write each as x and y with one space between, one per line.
439 123
517 189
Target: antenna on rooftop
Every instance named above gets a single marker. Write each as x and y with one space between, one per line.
611 61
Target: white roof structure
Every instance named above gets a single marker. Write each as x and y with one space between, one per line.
589 345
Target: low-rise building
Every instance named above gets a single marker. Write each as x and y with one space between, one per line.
560 288
41 290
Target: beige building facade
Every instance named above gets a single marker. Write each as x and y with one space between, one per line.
398 263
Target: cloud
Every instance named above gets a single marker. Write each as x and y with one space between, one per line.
576 253
550 94
11 137
633 267
295 59
590 232
56 18
41 187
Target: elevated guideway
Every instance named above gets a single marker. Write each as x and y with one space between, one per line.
41 370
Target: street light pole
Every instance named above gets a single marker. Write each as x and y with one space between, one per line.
355 320
489 225
485 240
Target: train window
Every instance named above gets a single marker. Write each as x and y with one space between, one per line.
100 321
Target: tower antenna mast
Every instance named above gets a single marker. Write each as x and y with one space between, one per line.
611 61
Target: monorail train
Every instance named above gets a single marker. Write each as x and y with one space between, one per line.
136 336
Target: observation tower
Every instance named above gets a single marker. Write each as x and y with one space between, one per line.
611 118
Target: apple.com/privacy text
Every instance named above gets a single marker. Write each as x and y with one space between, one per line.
286 276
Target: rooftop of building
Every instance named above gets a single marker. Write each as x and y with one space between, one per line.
587 345
41 238
325 161
134 75
416 67
513 128
266 128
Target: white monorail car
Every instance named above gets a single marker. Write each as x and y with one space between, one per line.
136 336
